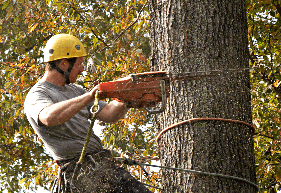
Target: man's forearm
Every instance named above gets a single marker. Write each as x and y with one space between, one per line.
61 112
112 112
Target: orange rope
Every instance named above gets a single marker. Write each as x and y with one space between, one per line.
202 119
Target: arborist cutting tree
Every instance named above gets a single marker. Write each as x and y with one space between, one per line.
59 112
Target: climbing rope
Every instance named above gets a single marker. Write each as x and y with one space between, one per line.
78 166
205 173
202 119
133 162
201 172
94 111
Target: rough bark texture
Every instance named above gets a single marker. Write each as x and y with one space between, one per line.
204 35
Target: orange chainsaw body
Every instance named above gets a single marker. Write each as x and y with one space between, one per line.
137 90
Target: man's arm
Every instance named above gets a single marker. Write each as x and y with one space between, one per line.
61 112
112 112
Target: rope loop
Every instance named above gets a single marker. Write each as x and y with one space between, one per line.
202 119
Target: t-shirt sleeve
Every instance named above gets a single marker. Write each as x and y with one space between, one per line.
35 102
102 105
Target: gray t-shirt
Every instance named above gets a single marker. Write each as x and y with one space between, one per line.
64 141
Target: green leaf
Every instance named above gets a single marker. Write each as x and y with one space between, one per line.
5 5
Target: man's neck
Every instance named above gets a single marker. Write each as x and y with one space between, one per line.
54 77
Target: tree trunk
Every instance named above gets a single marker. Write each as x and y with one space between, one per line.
204 35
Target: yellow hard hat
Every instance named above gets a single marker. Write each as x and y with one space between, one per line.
63 46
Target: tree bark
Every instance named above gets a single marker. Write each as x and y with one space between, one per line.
204 35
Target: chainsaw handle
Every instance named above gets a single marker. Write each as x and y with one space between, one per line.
164 99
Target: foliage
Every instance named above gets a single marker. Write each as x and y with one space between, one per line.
264 23
115 34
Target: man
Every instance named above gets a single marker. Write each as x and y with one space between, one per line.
59 112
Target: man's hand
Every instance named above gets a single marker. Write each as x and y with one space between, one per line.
93 92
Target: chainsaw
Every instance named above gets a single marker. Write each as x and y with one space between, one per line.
143 90
146 90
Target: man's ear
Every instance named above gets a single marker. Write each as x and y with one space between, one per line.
63 64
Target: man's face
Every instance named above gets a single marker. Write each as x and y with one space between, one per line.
77 69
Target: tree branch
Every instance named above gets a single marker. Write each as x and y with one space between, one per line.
128 27
92 30
277 5
263 135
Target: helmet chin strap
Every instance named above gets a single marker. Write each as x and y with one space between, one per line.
64 73
67 73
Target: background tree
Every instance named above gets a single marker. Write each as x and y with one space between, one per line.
115 36
190 36
265 44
